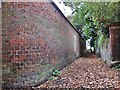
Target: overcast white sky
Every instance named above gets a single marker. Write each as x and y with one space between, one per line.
66 10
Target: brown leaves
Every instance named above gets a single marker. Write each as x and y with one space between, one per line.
86 72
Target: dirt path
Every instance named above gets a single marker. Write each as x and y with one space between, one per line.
86 72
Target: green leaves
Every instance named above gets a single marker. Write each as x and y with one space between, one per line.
101 40
117 67
93 17
55 74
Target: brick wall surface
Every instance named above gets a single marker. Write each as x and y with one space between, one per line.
105 52
110 51
1 48
35 38
115 41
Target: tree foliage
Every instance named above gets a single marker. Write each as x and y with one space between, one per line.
92 18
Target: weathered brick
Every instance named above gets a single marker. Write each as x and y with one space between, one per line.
114 30
39 38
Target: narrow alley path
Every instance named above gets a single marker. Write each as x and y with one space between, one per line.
86 72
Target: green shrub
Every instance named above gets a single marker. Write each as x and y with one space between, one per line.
102 39
55 74
117 67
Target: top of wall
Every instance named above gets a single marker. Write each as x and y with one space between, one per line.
115 24
51 1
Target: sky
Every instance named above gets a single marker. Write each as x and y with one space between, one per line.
65 10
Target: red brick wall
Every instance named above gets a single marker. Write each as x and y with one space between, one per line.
35 38
110 51
0 46
115 41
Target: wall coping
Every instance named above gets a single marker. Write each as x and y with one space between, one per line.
51 1
114 25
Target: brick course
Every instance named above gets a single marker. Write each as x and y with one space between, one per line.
114 30
35 38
